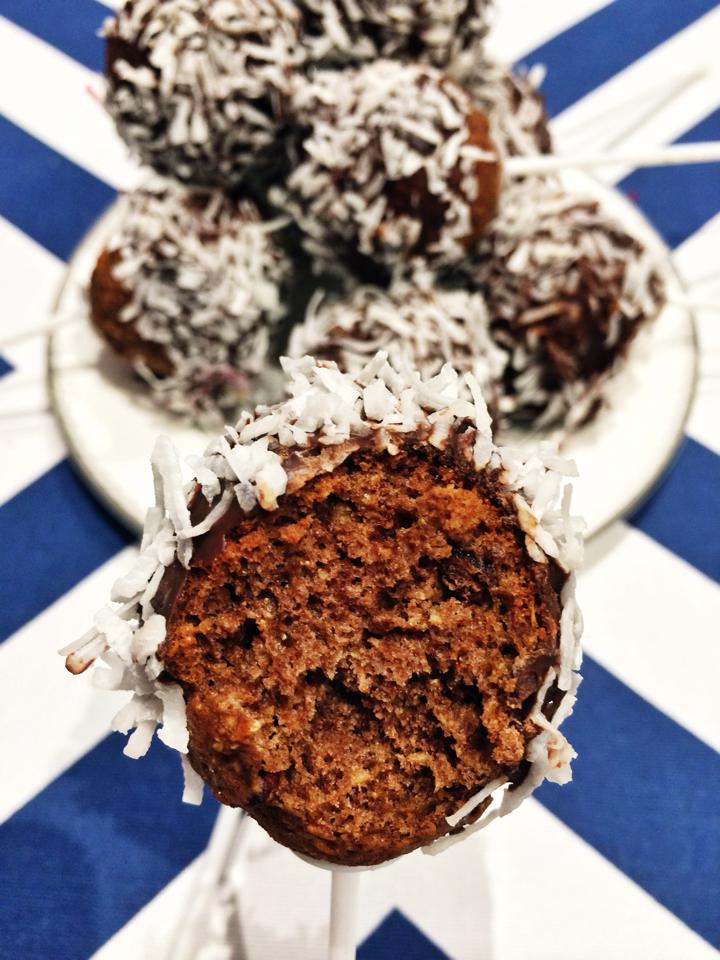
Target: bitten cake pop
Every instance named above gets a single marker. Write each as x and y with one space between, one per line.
419 325
514 106
366 609
197 87
397 162
567 289
188 290
445 33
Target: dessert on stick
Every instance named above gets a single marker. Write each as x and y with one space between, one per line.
394 162
197 88
567 290
418 323
189 290
358 621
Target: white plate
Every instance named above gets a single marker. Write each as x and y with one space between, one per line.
111 426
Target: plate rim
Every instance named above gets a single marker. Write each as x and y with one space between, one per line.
132 523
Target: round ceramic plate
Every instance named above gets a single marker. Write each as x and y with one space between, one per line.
111 425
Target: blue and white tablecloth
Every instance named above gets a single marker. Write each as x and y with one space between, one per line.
624 862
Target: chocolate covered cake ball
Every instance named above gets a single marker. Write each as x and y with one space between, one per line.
567 289
365 609
418 324
188 291
197 88
445 33
397 163
514 106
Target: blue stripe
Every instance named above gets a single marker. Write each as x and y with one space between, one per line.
591 52
679 200
645 795
684 513
85 855
73 29
45 195
397 937
5 367
52 535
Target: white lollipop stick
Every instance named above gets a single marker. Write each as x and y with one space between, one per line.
191 933
39 330
343 915
648 100
690 303
674 155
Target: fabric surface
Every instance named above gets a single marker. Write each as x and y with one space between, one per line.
96 852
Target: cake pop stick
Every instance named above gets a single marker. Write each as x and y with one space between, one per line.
676 154
694 304
37 330
343 915
632 112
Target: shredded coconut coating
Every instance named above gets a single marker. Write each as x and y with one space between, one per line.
250 463
203 280
418 324
397 163
444 33
197 87
514 106
567 289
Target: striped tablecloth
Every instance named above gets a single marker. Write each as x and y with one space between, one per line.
625 862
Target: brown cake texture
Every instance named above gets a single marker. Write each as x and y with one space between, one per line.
108 299
360 624
362 661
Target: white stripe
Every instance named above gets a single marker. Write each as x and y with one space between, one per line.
620 107
49 718
697 260
521 26
31 277
48 94
651 619
528 886
555 898
147 934
29 437
31 442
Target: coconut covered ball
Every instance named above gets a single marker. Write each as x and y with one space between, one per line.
568 290
514 106
197 88
445 33
396 163
419 325
189 291
366 610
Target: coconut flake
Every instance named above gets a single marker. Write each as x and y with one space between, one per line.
555 261
206 106
202 277
384 123
326 407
